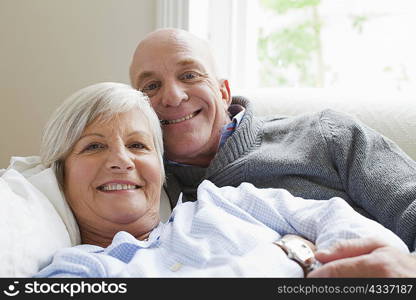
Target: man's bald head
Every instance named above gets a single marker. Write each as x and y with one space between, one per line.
171 39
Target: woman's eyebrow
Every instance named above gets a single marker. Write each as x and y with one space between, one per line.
91 134
140 133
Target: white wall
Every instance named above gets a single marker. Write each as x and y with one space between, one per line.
51 48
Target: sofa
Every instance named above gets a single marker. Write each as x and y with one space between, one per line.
36 221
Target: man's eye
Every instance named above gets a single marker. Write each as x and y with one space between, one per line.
150 87
189 76
93 147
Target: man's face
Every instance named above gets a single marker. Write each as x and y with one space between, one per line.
178 76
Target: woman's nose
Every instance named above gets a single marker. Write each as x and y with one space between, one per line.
119 161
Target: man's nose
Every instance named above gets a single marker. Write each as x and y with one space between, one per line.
119 161
173 94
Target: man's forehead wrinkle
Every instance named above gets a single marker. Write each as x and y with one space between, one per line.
198 50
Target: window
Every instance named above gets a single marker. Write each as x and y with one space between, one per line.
318 43
359 44
231 27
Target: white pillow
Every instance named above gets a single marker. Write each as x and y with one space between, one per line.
35 220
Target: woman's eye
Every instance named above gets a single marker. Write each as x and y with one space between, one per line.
137 146
94 147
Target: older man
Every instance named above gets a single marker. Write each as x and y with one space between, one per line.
210 135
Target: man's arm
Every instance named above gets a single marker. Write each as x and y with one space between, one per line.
377 175
323 222
365 257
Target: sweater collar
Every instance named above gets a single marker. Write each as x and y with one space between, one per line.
245 138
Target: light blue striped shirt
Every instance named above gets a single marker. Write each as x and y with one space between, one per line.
228 232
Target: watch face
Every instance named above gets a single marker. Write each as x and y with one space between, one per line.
299 251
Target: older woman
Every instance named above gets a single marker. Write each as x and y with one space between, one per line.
107 154
105 145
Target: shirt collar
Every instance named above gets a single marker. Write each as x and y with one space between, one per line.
229 129
236 112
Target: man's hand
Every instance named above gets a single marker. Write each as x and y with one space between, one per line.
364 258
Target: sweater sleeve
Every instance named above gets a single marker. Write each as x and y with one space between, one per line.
377 175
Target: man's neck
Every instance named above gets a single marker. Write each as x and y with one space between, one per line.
199 161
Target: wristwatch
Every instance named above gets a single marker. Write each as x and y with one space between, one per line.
300 252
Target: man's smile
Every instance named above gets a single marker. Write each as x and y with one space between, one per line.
184 118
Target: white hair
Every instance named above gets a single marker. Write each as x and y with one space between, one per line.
102 100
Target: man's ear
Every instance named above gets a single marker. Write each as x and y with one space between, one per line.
225 91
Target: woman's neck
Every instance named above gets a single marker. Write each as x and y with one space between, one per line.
105 241
98 236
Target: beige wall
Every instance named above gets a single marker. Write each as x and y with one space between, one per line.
51 48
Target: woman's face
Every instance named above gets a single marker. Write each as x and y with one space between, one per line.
112 176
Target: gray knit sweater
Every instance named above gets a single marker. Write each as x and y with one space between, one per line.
314 156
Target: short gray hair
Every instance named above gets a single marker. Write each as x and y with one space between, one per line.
102 100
